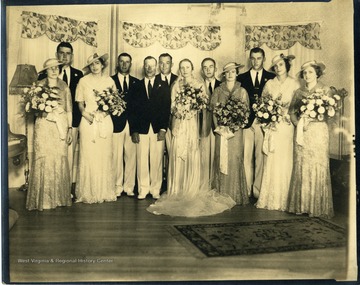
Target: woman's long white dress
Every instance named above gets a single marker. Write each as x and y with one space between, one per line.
96 178
185 195
278 158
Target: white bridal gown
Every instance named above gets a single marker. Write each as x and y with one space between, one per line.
185 195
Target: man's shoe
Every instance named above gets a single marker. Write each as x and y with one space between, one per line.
156 196
141 197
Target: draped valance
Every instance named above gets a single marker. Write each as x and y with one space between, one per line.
281 37
171 37
58 28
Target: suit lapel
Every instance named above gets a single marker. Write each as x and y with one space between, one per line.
117 82
172 78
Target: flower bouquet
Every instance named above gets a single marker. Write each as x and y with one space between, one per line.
321 105
110 101
188 100
269 111
40 99
233 114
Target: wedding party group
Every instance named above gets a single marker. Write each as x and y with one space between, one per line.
258 136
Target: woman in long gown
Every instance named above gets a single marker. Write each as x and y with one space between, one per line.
278 144
96 178
310 189
232 181
49 184
185 196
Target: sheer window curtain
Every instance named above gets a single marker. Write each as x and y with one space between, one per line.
34 52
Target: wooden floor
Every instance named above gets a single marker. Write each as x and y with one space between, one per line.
121 241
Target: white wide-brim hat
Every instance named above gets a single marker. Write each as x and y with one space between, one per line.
94 57
51 62
279 57
312 63
231 65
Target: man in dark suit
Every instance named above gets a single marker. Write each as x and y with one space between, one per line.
207 138
254 81
64 53
148 128
166 78
124 148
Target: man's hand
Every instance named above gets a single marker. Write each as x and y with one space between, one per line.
135 138
161 135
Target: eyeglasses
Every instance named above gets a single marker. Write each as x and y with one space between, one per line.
54 68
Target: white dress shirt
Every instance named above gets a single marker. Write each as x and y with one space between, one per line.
212 81
147 82
68 74
166 78
121 79
253 75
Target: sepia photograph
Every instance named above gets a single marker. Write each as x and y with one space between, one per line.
162 142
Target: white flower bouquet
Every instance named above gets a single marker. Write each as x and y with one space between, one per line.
110 101
233 114
269 111
320 105
188 100
40 99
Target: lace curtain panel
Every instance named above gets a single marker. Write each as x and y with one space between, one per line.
205 38
58 28
282 37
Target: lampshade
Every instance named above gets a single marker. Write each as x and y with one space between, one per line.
24 76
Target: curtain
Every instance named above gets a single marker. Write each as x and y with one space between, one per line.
34 51
281 37
58 28
171 37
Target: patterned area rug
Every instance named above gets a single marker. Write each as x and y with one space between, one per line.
219 240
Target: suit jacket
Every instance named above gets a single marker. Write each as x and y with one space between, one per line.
144 111
119 122
165 91
206 118
75 76
246 82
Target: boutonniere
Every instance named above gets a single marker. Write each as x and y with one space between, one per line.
76 74
266 79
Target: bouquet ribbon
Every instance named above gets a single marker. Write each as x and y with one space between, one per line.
99 126
60 124
268 145
225 135
300 131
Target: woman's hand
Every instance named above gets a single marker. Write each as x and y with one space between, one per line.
88 116
69 137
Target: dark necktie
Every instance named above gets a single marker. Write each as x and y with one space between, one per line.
257 83
65 79
125 87
210 89
149 89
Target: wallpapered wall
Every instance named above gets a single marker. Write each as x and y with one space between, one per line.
336 35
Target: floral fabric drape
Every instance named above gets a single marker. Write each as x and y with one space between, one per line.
281 37
58 28
171 37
